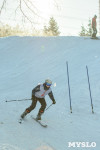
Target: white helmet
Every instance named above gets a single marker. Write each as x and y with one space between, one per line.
48 81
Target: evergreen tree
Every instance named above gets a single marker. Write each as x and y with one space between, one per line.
52 29
89 30
83 31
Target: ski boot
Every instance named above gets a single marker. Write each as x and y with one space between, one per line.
24 113
39 116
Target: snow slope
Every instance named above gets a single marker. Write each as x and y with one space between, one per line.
27 61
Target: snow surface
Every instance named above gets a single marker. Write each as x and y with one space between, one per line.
27 61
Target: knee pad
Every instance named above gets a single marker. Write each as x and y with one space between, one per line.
27 111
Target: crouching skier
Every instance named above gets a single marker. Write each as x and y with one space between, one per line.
38 94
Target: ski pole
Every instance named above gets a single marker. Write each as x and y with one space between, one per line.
69 87
48 107
18 100
89 89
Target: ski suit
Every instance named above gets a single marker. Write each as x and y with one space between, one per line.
94 24
38 94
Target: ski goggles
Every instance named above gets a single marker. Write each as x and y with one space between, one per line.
48 84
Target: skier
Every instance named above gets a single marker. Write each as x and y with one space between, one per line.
94 24
38 94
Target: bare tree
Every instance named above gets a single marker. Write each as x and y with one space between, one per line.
2 6
30 6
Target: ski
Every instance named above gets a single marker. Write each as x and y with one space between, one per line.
86 38
40 122
95 38
21 120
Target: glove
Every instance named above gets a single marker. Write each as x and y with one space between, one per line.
54 102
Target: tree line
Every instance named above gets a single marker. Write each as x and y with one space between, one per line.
51 29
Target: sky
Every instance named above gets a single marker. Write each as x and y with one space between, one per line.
69 14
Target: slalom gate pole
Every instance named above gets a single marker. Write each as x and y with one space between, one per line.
48 107
17 100
69 87
89 89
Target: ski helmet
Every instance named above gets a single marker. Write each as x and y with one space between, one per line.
48 82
